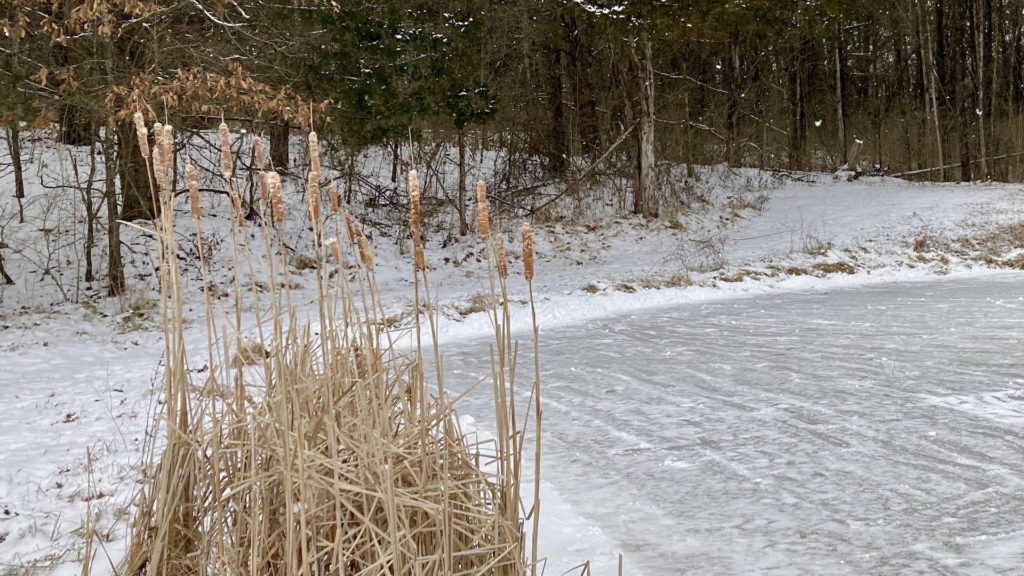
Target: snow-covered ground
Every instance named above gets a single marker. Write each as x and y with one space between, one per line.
698 368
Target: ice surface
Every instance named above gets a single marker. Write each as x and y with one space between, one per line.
857 431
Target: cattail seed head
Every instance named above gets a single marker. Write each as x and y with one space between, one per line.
143 135
226 162
313 184
276 197
236 208
419 260
482 213
527 236
314 152
257 148
264 188
332 193
365 251
414 207
168 144
332 243
499 249
193 191
140 121
350 226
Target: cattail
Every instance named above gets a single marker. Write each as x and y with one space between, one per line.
225 151
140 121
414 207
236 207
499 248
365 252
257 148
482 213
314 152
332 243
168 144
350 225
143 135
193 191
158 153
264 188
419 260
527 235
313 183
332 193
276 197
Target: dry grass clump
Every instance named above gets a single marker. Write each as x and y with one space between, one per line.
330 452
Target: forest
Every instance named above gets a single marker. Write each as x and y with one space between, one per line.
568 92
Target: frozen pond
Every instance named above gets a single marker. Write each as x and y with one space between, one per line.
877 430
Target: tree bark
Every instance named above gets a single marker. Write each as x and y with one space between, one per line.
463 221
840 55
280 154
558 155
645 199
14 147
115 266
137 200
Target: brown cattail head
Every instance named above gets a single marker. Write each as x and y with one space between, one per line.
313 184
236 207
140 121
527 235
414 207
419 259
482 213
143 134
264 188
350 226
499 248
193 191
226 163
365 251
276 197
257 149
332 243
314 152
168 145
332 193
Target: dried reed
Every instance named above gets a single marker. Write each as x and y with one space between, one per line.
331 454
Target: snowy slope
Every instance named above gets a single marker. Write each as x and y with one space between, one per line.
77 377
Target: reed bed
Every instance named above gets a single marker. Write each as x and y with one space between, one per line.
331 452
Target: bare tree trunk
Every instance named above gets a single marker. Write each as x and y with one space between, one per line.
840 55
645 199
137 201
3 271
934 77
14 147
979 41
115 266
463 222
279 152
559 153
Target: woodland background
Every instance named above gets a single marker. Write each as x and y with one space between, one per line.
566 92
